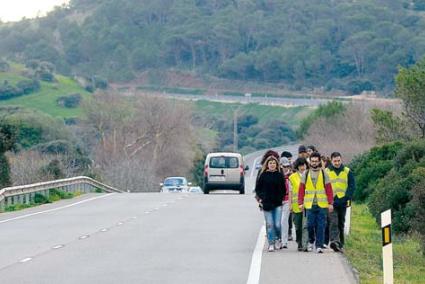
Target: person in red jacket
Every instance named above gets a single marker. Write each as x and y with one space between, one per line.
315 195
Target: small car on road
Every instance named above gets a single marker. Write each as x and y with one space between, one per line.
175 184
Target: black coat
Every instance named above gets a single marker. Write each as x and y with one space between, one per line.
271 189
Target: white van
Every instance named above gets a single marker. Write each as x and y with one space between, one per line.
224 171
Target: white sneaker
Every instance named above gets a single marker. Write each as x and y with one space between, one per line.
310 247
271 248
325 246
278 245
319 250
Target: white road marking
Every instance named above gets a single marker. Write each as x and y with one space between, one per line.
104 230
255 269
55 209
120 223
165 205
84 237
147 212
25 260
58 247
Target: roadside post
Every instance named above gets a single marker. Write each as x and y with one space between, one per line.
347 219
387 247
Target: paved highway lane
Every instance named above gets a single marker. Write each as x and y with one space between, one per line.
133 238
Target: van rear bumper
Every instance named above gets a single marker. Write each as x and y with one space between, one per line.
224 186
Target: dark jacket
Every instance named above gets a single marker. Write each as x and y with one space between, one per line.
351 186
271 188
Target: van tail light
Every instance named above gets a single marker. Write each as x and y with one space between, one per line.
242 171
206 170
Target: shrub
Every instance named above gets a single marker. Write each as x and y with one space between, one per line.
28 86
45 75
40 198
16 207
57 194
40 70
71 101
100 83
4 66
356 87
53 169
372 166
8 91
418 201
414 151
390 177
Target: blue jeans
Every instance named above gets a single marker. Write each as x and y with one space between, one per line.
316 223
273 224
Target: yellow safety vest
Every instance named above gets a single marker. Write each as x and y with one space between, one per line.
295 180
339 182
319 191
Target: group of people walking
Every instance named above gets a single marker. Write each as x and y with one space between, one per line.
313 193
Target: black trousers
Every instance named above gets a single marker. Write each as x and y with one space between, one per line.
336 226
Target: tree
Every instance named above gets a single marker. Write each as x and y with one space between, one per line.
7 140
389 127
410 88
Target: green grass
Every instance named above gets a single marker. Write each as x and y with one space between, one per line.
45 99
364 250
291 115
184 91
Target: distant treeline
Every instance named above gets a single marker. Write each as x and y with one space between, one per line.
347 45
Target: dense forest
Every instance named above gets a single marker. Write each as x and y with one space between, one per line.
335 44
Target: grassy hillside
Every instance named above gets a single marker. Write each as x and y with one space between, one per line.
291 115
45 99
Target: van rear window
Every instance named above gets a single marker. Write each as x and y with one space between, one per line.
224 162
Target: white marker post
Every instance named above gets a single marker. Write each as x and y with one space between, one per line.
387 247
347 219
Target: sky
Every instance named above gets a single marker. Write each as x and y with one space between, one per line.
14 10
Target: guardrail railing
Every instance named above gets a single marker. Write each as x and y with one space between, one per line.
24 194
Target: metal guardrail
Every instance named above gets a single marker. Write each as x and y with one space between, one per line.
24 194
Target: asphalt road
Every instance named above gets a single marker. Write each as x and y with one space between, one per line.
153 238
